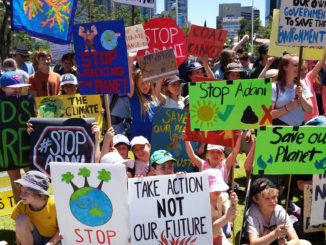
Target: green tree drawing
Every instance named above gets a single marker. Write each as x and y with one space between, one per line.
85 172
104 176
68 177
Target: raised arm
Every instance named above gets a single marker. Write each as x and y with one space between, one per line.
131 57
195 160
313 74
269 62
233 155
107 142
158 93
208 69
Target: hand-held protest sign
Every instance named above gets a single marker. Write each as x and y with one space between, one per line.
136 38
48 20
58 50
277 50
70 106
206 41
307 198
318 206
7 202
101 57
61 140
141 3
91 202
167 131
170 209
227 105
290 150
14 145
158 65
162 34
302 23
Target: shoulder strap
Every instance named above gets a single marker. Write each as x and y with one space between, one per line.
113 101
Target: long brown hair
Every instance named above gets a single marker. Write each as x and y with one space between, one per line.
285 60
144 103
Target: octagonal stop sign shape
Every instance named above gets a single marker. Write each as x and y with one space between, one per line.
62 144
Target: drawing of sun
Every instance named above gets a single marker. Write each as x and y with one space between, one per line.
206 113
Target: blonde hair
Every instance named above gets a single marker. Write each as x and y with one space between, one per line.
144 102
269 192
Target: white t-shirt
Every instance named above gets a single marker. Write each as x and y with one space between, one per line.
296 116
171 103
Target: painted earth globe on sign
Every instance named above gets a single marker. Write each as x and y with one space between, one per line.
91 206
109 40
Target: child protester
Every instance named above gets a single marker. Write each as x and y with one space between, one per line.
141 149
268 222
222 212
162 163
68 84
35 214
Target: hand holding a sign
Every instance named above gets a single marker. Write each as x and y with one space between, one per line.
280 232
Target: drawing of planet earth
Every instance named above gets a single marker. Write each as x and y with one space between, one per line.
109 40
91 206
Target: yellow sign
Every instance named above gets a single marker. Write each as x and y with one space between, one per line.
277 50
70 106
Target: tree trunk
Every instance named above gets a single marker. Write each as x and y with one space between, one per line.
5 32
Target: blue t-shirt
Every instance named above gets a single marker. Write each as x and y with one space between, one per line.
28 68
141 122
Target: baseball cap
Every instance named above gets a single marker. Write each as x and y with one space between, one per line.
215 147
12 79
138 140
161 156
194 66
172 79
215 180
35 180
68 78
260 185
120 138
113 157
233 67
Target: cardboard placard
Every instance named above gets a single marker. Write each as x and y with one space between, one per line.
167 131
302 23
101 57
144 3
61 140
277 50
158 65
162 34
290 150
219 137
70 106
307 197
228 105
318 206
14 145
206 41
136 38
170 209
91 202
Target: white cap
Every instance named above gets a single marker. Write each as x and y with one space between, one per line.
138 140
120 138
113 157
68 78
215 147
215 180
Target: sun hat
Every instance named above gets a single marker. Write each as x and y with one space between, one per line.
21 49
317 121
260 185
12 79
271 73
233 67
68 78
194 66
172 79
215 147
215 180
35 180
119 139
138 140
161 156
113 157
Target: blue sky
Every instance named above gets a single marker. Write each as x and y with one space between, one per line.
201 10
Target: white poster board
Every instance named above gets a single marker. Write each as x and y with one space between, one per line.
307 196
136 38
91 202
141 3
302 23
318 206
170 209
58 50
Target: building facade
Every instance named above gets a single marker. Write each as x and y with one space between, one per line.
270 6
180 7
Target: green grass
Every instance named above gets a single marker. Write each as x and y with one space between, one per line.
7 225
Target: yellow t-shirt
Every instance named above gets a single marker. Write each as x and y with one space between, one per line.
45 220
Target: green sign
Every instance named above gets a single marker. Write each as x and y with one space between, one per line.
229 105
290 150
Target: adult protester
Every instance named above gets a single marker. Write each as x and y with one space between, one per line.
67 65
227 56
21 55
